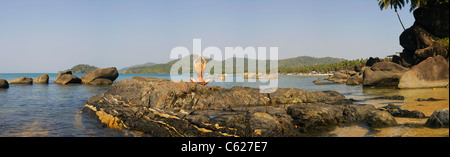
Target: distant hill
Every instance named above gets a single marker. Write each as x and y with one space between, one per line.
307 61
134 66
283 63
82 68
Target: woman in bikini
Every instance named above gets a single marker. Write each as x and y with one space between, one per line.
199 66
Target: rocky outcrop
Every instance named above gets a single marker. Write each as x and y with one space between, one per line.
160 107
4 83
22 80
66 77
435 19
439 119
42 79
383 74
103 76
430 73
423 38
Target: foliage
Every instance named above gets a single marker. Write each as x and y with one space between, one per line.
384 4
283 64
82 68
323 67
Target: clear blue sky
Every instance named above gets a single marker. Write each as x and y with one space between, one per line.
53 35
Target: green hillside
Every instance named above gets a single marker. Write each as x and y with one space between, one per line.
82 68
290 64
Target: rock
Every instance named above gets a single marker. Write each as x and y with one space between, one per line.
383 74
415 38
393 97
318 82
22 80
434 19
4 83
100 76
429 99
66 77
436 48
431 73
371 61
339 77
439 119
159 107
395 111
377 119
321 116
42 79
353 80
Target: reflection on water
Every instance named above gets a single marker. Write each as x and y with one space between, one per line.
54 110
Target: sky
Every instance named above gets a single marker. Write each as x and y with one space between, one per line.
47 36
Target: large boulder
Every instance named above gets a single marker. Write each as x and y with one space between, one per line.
22 80
42 79
433 72
4 83
66 77
415 38
434 19
439 119
159 107
383 74
100 76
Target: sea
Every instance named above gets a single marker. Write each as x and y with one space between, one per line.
52 110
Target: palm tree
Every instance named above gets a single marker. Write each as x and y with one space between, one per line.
384 4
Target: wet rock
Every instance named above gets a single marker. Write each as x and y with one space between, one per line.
4 83
393 97
439 119
22 80
396 111
429 99
42 79
160 107
100 76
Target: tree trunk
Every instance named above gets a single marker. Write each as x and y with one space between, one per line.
399 19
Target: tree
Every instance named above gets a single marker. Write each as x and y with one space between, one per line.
384 4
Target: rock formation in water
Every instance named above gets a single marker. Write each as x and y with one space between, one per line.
42 79
66 77
4 83
425 54
103 76
160 107
22 80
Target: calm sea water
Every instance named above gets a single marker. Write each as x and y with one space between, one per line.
54 110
